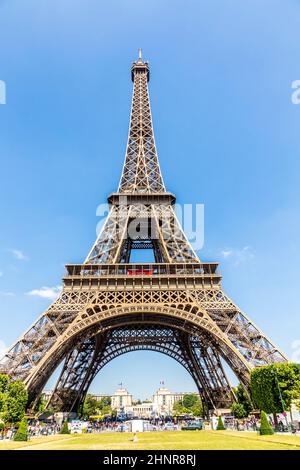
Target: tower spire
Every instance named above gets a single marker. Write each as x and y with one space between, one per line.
141 172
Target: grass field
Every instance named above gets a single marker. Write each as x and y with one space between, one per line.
172 440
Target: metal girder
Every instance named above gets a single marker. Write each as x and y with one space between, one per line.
113 243
78 366
200 360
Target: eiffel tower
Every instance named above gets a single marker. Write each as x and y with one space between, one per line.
110 306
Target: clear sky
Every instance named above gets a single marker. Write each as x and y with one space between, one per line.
227 135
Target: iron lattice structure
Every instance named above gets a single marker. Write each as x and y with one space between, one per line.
109 306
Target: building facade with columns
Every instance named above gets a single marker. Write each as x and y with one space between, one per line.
161 404
164 400
121 400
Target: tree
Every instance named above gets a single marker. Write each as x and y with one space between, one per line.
179 409
15 400
190 404
3 382
90 407
189 400
41 404
22 433
105 401
197 408
104 406
65 428
238 411
2 402
243 399
3 390
265 426
220 426
273 387
106 410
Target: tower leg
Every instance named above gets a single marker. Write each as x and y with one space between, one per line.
79 366
205 364
199 358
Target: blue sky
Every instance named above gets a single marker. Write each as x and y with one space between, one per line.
227 135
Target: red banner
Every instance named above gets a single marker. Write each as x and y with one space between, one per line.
135 272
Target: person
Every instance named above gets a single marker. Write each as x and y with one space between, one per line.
135 438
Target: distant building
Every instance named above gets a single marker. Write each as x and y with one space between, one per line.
163 400
100 396
121 400
161 405
143 410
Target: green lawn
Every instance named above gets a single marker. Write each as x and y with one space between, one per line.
205 440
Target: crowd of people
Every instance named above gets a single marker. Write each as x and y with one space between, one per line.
252 424
35 428
102 426
249 424
38 428
43 429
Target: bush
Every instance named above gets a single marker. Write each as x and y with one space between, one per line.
65 428
265 426
220 426
21 434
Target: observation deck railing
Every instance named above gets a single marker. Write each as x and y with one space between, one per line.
144 269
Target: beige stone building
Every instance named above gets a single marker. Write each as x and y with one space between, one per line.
161 404
121 400
163 400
